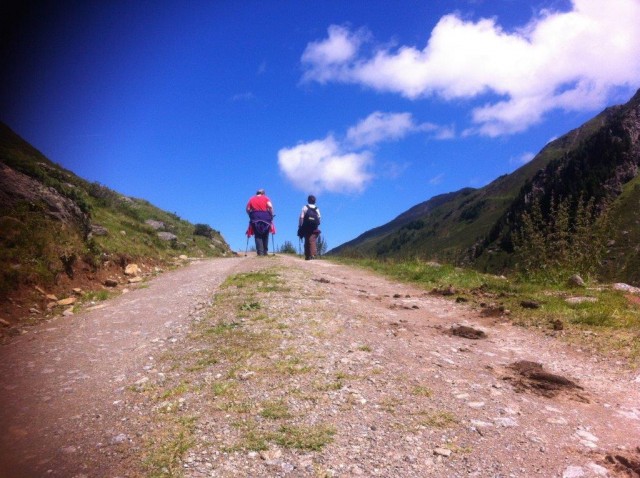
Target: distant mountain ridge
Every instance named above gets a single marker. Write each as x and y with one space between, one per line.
57 229
413 214
598 161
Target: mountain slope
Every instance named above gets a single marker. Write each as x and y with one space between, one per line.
57 229
596 160
410 219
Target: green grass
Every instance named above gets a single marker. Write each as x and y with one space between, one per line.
291 366
421 391
223 389
178 390
261 281
248 306
96 295
275 410
437 419
37 249
205 358
168 447
310 438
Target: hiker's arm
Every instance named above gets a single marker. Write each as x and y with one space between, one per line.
270 208
301 218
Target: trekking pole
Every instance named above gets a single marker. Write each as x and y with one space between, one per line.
246 248
273 247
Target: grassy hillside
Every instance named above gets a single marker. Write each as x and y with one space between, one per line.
450 230
57 228
623 249
474 227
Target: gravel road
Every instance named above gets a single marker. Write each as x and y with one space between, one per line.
306 369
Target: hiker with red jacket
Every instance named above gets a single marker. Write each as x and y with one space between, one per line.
308 223
260 211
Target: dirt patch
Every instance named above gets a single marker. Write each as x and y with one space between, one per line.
467 332
634 299
444 291
624 464
531 376
28 304
493 310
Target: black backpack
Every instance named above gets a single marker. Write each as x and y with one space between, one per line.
311 219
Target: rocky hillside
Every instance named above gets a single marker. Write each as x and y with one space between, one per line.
589 175
58 231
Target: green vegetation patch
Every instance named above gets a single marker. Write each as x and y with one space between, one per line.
437 419
261 281
167 447
275 410
312 437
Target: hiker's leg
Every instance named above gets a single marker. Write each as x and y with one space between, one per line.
313 245
307 247
266 244
259 244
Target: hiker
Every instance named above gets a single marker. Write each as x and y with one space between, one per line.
308 223
260 211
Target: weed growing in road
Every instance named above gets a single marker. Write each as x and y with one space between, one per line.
247 306
223 389
205 358
421 391
275 410
262 281
168 446
291 366
181 389
96 295
390 404
300 437
312 438
437 419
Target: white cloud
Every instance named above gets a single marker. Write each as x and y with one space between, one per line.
436 179
559 60
344 166
521 159
322 165
378 127
326 58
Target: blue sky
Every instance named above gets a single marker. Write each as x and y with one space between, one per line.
372 106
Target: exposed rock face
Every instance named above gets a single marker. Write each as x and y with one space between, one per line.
157 225
576 281
132 270
16 187
98 230
167 236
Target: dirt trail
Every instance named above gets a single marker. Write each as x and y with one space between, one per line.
62 383
328 371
